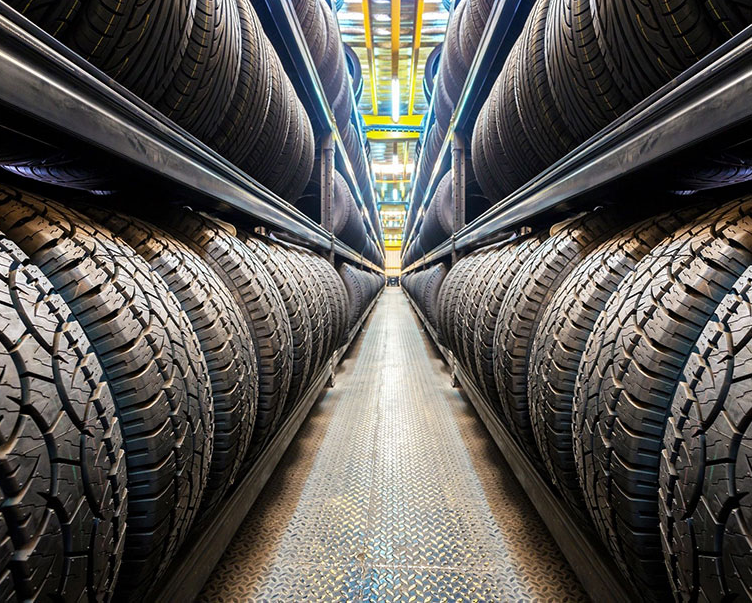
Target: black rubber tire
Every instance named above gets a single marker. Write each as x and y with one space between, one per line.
541 118
297 263
446 295
53 16
356 294
472 26
470 309
730 16
240 129
704 509
487 180
297 315
584 90
449 295
63 475
139 43
262 307
152 361
511 260
463 323
646 43
630 371
430 293
198 96
453 67
337 296
527 297
222 333
563 333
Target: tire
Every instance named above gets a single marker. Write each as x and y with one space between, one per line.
222 333
64 503
583 87
707 436
154 366
355 294
297 315
240 129
263 310
297 263
53 16
513 257
464 324
469 306
337 296
563 333
430 294
527 297
630 371
487 181
730 16
139 43
646 43
446 295
541 118
198 96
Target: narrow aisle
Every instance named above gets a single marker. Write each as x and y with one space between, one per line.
393 490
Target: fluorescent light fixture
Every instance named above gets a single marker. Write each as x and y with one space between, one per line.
395 100
394 194
395 162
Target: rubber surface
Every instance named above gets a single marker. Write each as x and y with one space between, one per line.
62 468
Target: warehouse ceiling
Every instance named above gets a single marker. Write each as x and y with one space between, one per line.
392 39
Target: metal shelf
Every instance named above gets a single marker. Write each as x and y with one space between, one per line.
282 27
46 82
202 550
505 22
710 99
589 559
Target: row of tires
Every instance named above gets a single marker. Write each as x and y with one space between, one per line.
205 64
580 64
146 362
319 26
348 222
616 350
437 224
464 31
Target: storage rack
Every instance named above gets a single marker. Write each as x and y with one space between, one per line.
589 559
707 102
49 87
283 29
49 92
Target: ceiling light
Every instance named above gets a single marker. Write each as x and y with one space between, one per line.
394 194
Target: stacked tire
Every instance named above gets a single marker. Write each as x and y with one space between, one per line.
155 356
423 288
332 61
580 64
362 288
614 347
205 64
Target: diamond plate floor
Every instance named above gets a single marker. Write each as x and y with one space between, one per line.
393 491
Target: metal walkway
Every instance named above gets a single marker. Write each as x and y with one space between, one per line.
392 491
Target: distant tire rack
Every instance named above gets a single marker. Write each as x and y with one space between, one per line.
51 92
712 96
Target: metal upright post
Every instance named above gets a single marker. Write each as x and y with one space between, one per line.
327 187
327 204
458 202
458 186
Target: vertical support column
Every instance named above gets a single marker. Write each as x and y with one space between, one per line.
458 186
327 204
458 202
327 187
